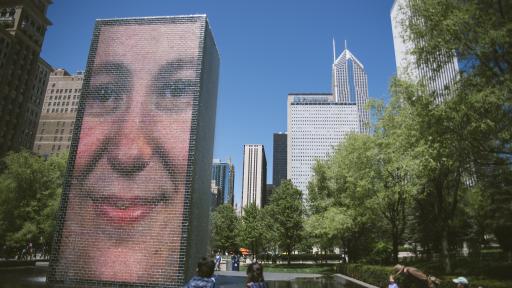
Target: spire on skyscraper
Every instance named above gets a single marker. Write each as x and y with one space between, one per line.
333 50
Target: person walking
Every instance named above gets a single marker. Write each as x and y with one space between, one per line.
218 259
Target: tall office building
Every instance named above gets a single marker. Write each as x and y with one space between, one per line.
406 64
22 28
58 113
316 125
350 85
279 158
254 176
223 175
318 122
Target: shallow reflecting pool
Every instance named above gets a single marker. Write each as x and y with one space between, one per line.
32 277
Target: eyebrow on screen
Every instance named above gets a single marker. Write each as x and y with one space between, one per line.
173 68
116 70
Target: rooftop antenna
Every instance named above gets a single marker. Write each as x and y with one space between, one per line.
333 50
345 44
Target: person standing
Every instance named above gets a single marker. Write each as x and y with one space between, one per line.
204 278
218 259
235 263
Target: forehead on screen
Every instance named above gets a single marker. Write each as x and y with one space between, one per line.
147 42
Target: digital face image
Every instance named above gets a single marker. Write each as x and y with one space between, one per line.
126 195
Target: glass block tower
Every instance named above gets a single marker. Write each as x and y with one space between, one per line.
135 204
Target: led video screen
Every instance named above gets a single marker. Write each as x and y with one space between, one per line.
125 197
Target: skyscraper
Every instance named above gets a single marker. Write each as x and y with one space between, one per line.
406 64
254 176
22 29
316 125
318 122
279 158
223 174
350 85
58 113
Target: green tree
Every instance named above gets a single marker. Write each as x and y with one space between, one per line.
340 196
477 114
286 213
252 230
30 189
224 227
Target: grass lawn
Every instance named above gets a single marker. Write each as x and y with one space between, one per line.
301 268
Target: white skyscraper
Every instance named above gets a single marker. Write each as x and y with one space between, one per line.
318 122
255 175
316 125
406 65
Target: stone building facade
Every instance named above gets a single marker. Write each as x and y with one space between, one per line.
58 113
22 73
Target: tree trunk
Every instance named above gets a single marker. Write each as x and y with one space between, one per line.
445 257
395 248
289 255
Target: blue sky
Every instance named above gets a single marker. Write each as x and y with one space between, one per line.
268 48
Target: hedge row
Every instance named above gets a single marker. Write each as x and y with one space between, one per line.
300 257
375 275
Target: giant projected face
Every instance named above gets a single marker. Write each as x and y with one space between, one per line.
125 207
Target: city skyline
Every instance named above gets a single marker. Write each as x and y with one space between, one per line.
252 104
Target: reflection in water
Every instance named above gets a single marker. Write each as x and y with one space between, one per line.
35 277
23 277
322 282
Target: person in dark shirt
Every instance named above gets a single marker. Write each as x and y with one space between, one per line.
204 278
